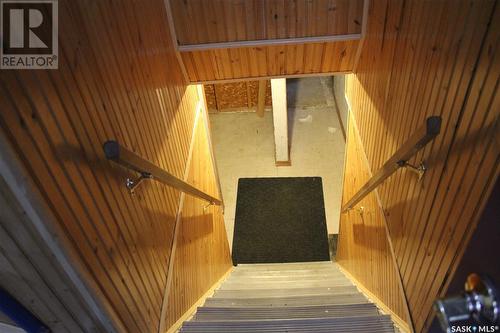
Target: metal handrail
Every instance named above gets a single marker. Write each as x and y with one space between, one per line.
121 155
417 141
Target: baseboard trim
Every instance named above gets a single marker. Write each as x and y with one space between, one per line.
190 312
402 324
283 163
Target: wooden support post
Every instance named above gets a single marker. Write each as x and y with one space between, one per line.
261 100
249 95
280 120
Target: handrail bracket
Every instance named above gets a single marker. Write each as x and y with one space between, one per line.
132 184
419 170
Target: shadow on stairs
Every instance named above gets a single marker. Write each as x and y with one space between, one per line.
292 297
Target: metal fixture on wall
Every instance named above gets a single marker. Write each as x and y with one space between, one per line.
147 170
419 170
133 183
360 210
422 136
479 302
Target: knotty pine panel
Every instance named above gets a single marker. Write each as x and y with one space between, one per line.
363 248
202 251
118 78
422 59
265 61
201 21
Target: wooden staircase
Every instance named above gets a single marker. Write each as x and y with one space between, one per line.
295 297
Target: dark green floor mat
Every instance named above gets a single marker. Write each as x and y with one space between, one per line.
280 220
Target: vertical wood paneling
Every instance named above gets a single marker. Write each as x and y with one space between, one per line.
118 78
253 62
364 249
199 21
202 252
419 59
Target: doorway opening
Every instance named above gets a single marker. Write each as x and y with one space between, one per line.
245 147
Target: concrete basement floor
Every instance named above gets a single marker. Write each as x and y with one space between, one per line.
244 146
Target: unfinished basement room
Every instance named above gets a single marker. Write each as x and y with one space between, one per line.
243 166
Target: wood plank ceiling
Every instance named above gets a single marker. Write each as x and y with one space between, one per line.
201 21
236 39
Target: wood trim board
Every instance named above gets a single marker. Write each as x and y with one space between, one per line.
267 42
269 77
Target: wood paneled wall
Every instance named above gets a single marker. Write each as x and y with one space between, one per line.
363 249
202 251
267 61
235 96
118 78
200 21
425 58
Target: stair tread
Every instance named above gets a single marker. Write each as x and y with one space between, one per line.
288 301
290 265
253 293
325 271
286 266
284 285
331 282
273 275
287 277
291 309
350 320
378 323
258 313
290 297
